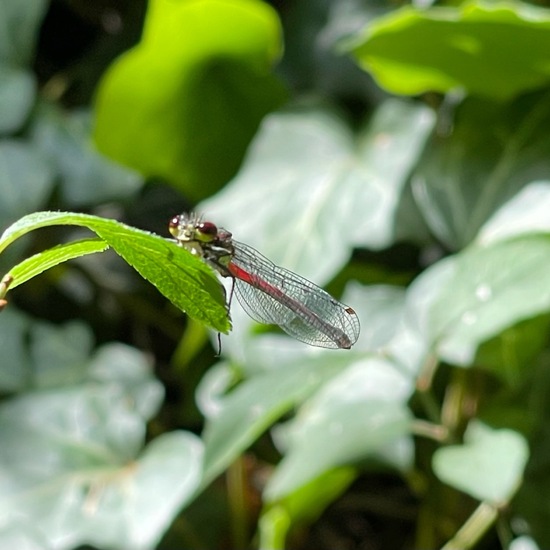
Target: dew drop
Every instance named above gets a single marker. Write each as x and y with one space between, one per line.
468 318
484 292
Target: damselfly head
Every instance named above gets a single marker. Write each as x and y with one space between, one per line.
190 227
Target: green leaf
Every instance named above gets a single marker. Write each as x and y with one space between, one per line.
26 179
15 373
304 505
523 542
94 485
20 20
357 414
345 188
86 177
388 332
167 476
60 354
471 297
17 92
489 466
525 212
493 151
273 527
497 50
185 102
12 537
33 266
251 408
184 279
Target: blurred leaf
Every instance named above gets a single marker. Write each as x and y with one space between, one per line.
526 212
489 466
252 407
511 354
13 536
497 50
26 179
60 354
494 150
273 527
304 505
186 101
15 372
86 176
116 364
17 92
184 279
523 543
33 266
20 20
466 299
310 190
292 375
167 475
356 414
69 460
387 331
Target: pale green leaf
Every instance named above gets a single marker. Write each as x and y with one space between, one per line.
311 189
355 415
17 92
466 299
488 466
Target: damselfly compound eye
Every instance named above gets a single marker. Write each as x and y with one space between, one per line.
174 226
208 229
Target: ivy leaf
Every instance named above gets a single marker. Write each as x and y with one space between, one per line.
186 101
489 466
494 50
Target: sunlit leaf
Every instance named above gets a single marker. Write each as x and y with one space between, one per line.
311 189
184 279
473 296
252 407
42 261
185 102
495 49
489 466
355 415
94 484
525 212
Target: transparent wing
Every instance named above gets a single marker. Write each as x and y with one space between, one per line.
271 294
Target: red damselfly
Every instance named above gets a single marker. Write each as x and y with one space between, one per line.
269 293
